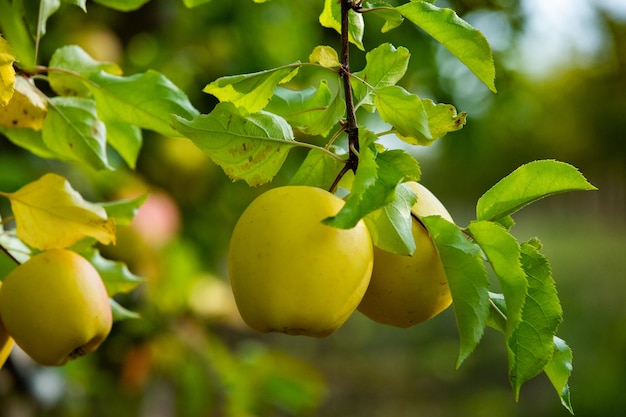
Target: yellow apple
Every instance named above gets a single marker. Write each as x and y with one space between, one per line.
291 273
6 342
55 306
407 290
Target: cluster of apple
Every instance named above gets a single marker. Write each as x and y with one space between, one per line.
293 274
55 307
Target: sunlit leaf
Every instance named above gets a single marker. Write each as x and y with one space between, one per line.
456 35
318 169
123 5
247 147
7 72
251 91
467 278
74 59
26 108
559 370
405 113
503 253
116 276
146 100
325 56
50 214
331 18
443 118
31 140
313 111
391 226
72 129
375 182
385 66
384 10
529 183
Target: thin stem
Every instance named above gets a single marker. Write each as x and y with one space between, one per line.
351 127
6 251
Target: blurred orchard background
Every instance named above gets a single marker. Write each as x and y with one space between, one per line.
561 94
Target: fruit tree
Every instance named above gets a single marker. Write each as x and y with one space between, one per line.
351 230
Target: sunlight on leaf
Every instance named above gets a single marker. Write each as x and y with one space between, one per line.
529 183
251 91
7 72
331 18
456 35
50 214
247 147
318 169
385 66
405 112
325 56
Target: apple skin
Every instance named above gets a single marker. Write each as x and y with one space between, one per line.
56 307
292 274
407 290
6 342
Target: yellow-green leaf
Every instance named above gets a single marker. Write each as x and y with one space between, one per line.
7 72
325 56
50 214
26 108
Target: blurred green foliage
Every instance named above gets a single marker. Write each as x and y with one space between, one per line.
190 354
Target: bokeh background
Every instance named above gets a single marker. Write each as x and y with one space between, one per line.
561 79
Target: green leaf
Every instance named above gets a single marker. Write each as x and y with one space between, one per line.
318 169
14 29
531 344
559 370
122 5
503 253
392 17
72 129
529 183
247 147
126 140
74 59
331 18
115 275
313 111
37 13
467 278
385 66
405 113
82 4
456 35
251 91
145 100
123 211
443 118
375 182
120 313
391 226
31 140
